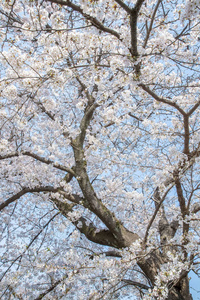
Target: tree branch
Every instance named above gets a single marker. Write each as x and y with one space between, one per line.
19 257
95 205
112 253
161 99
138 5
93 20
133 25
182 204
151 23
102 237
186 149
54 285
48 161
170 182
43 109
195 208
39 158
181 198
194 108
26 191
11 17
91 232
124 6
135 283
158 206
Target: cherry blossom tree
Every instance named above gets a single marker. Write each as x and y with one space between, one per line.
99 148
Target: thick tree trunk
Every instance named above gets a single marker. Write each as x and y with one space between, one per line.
151 267
181 291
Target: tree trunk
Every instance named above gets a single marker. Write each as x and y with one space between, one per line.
151 267
181 291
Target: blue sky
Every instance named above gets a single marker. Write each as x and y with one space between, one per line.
195 286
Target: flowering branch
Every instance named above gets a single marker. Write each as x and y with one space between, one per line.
25 191
93 20
39 158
